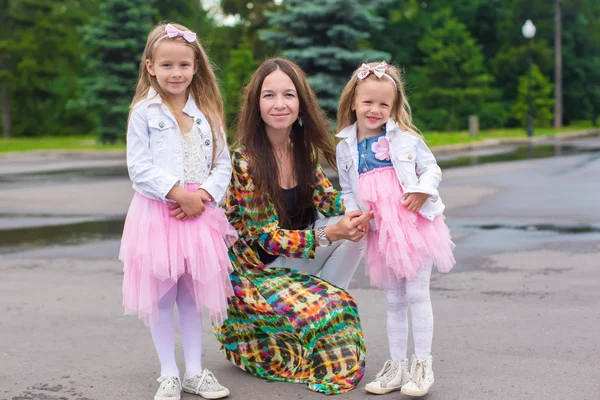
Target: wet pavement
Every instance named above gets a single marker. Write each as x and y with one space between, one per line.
516 319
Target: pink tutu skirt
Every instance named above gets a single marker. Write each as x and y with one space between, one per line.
157 249
404 242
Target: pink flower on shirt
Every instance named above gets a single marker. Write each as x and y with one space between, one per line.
381 148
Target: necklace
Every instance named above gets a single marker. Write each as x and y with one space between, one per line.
283 155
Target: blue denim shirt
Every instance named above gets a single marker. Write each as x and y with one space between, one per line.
366 157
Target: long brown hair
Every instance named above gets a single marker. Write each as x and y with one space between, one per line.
310 141
203 88
401 112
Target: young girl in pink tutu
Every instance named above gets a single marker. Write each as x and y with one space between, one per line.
174 241
385 167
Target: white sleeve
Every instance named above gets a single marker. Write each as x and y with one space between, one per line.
220 172
430 174
348 196
150 180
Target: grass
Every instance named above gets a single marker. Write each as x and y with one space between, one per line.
55 143
433 139
445 138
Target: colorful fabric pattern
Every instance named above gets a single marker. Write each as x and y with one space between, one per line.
282 324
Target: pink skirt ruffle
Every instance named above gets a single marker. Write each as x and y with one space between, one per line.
157 249
404 242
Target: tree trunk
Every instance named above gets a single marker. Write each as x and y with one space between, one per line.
558 104
4 100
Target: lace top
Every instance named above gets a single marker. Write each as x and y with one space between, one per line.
194 164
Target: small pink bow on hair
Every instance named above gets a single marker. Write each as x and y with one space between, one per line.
381 148
173 32
365 70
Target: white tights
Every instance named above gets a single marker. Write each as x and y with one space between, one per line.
190 326
413 293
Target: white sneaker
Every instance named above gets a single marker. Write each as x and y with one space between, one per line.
392 376
169 389
421 377
206 385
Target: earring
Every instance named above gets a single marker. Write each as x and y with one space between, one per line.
300 122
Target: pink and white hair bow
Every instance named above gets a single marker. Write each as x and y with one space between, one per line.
365 70
381 148
379 71
173 32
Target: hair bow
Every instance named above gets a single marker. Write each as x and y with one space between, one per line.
365 70
173 32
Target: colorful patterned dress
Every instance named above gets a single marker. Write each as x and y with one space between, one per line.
282 324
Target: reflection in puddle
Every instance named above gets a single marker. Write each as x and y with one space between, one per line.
16 240
524 152
68 175
569 229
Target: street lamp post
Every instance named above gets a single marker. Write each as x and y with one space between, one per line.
528 31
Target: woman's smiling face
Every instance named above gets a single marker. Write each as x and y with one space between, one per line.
279 103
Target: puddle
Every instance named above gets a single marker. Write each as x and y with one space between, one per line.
566 229
68 175
524 152
23 239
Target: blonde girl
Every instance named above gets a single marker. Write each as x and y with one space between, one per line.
174 241
386 168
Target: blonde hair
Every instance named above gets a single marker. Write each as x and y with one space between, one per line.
401 112
203 88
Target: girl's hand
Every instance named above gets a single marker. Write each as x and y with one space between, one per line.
178 212
190 206
414 201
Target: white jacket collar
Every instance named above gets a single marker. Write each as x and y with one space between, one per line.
190 108
351 131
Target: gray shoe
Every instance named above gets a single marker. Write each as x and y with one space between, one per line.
392 376
169 389
421 377
205 385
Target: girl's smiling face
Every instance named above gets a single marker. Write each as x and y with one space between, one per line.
373 103
173 65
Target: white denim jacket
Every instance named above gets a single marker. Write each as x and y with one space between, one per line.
155 155
415 166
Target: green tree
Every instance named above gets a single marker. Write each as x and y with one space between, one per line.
6 42
241 67
326 42
542 99
114 41
453 77
44 62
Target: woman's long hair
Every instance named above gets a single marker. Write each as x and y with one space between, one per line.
203 88
310 141
401 111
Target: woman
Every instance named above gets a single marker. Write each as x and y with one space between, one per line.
285 325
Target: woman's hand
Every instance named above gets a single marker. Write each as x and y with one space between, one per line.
414 201
353 226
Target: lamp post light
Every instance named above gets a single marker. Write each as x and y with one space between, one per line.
528 31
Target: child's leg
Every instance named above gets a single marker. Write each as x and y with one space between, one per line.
397 321
417 291
163 334
190 326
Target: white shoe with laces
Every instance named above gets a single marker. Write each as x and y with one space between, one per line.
206 385
421 377
392 376
169 389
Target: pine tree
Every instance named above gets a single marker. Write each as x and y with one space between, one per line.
115 40
453 74
44 52
542 99
328 39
